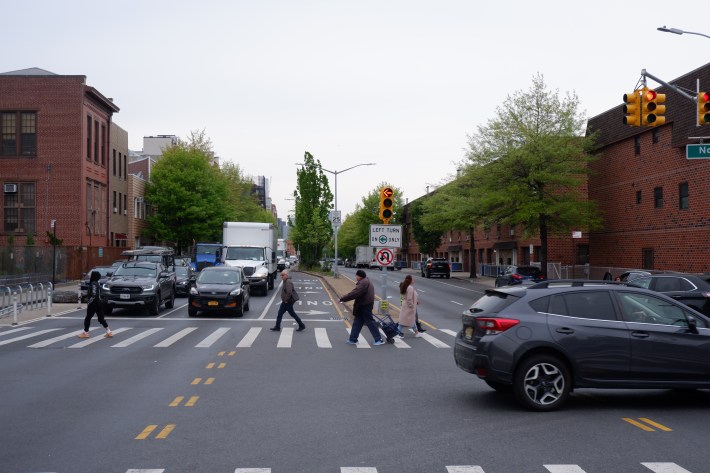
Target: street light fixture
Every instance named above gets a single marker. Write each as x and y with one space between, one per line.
677 31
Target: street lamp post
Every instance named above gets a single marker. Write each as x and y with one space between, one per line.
677 31
335 194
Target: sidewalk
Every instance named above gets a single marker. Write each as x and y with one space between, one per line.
26 315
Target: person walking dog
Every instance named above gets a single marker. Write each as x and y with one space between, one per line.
288 298
364 296
94 306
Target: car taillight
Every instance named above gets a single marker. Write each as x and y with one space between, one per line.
493 326
517 276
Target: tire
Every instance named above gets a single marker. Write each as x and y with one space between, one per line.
170 303
542 383
500 387
428 275
448 276
191 312
270 283
154 308
239 312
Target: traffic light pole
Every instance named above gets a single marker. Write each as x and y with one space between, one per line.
645 74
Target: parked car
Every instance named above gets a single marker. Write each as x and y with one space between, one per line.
692 290
139 284
104 271
631 275
183 274
220 289
519 275
545 340
436 267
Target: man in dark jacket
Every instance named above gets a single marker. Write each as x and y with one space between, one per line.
288 298
364 295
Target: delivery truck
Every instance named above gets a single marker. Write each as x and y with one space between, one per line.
251 245
363 256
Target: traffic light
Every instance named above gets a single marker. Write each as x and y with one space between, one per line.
632 109
652 111
704 108
386 203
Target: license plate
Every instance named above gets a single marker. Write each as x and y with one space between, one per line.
213 303
469 332
125 296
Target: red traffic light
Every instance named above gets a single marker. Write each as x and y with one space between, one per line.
651 94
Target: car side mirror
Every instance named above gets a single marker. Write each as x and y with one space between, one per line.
692 325
109 274
164 274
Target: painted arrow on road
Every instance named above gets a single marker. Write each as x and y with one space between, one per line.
312 312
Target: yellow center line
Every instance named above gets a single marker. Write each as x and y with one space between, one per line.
191 402
656 424
176 402
209 381
232 353
166 431
146 432
221 353
196 381
638 424
210 366
221 365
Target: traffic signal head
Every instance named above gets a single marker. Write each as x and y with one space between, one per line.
704 108
632 109
652 111
386 204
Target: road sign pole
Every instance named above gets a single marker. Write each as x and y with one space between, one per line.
384 308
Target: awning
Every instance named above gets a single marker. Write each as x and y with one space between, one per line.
121 236
505 245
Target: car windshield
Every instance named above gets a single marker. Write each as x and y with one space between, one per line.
151 258
101 271
181 271
208 249
251 254
219 277
141 271
528 271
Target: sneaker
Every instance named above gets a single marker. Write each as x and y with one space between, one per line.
422 330
379 342
83 335
350 342
414 332
419 334
301 329
275 329
108 334
399 336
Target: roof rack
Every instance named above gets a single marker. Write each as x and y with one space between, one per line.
573 283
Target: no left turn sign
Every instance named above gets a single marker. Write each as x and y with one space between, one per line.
384 256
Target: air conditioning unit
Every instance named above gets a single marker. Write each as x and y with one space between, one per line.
512 232
125 212
115 210
10 188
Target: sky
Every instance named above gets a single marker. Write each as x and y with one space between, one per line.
398 83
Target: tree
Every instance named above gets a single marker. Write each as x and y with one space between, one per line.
242 201
189 195
313 200
427 237
529 165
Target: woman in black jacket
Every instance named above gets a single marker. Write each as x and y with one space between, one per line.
94 306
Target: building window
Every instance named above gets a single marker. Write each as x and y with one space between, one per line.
658 197
88 137
647 258
683 201
114 202
656 134
19 133
120 203
120 172
125 167
638 197
125 203
19 209
114 164
103 145
96 142
637 145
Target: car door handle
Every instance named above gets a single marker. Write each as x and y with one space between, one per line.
565 330
640 334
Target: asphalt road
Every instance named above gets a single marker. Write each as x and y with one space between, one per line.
221 395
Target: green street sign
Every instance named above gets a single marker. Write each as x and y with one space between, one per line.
697 151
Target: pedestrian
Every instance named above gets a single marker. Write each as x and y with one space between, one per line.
364 296
94 306
408 311
288 298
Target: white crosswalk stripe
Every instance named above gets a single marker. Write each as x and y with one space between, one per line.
665 468
434 341
285 338
216 335
98 338
252 470
29 335
564 469
249 338
464 469
447 331
71 334
14 330
170 340
135 338
322 338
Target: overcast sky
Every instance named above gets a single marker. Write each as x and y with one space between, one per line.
396 82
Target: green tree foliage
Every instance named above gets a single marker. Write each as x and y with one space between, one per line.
243 202
428 237
528 165
313 198
190 196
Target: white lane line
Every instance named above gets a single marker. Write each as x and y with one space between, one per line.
447 331
564 468
464 469
357 469
209 341
172 311
14 330
133 470
97 338
249 338
322 339
434 341
252 470
34 334
285 338
457 303
276 291
665 468
135 338
361 342
45 343
170 340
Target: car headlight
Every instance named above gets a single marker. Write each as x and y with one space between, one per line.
106 287
261 273
148 287
193 291
236 292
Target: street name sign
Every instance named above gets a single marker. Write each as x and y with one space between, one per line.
701 151
386 236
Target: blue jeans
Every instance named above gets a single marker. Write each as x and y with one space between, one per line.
285 307
363 316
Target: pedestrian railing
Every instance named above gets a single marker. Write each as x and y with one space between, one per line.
13 299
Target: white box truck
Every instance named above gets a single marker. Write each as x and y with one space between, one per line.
363 256
251 245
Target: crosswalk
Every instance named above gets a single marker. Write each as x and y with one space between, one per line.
162 337
644 467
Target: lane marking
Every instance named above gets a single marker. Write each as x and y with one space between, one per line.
45 343
97 339
196 381
457 303
209 381
133 470
170 340
176 402
249 338
209 341
322 339
357 469
35 334
464 469
434 341
135 338
564 469
252 470
271 301
448 332
166 431
14 330
146 432
638 424
210 366
665 468
192 401
656 424
285 338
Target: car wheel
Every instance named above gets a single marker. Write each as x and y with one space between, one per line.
500 387
448 276
270 283
239 311
154 308
542 383
428 275
191 312
170 303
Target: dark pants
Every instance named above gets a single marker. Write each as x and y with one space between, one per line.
363 316
285 307
91 309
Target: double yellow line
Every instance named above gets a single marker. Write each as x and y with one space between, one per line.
647 425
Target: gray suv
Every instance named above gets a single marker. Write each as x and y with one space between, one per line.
139 284
543 341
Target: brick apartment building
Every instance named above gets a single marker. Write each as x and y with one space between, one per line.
654 201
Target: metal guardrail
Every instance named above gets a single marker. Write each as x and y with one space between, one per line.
13 299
